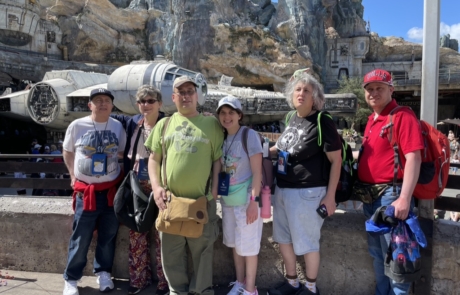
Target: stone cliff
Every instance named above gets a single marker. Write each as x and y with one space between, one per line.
257 42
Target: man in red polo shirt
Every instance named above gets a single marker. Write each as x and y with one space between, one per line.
376 163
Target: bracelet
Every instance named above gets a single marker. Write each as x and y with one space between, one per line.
254 198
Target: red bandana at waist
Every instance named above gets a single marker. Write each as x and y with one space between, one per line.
89 192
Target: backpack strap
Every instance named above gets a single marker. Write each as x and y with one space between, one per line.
394 144
288 118
244 138
320 133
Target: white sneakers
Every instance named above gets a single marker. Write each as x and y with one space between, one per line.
105 281
238 288
70 288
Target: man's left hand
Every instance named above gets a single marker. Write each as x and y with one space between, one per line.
402 206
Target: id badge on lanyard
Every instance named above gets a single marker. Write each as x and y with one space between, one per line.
224 184
282 162
99 164
143 172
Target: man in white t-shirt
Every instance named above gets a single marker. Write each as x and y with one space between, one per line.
92 146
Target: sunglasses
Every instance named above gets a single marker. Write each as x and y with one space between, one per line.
149 101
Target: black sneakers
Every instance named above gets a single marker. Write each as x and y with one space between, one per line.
288 289
305 291
285 289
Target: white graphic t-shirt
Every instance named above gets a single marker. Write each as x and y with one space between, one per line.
86 138
235 161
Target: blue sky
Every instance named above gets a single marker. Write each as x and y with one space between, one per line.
404 18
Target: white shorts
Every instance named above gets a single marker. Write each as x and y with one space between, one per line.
295 220
245 238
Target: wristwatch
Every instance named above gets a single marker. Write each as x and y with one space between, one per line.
254 198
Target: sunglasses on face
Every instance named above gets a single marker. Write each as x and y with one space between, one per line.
148 101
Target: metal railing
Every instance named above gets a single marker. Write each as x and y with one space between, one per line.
446 76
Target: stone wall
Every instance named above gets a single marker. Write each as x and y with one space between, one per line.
35 234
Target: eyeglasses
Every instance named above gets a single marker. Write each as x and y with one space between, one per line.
148 101
186 93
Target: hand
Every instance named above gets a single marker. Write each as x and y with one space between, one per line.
72 181
402 206
330 205
252 212
159 195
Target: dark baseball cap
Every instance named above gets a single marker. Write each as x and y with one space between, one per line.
100 91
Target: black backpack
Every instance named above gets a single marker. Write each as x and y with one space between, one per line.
348 172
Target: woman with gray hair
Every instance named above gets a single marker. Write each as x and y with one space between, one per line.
148 99
307 179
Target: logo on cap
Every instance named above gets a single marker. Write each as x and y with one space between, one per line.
378 76
100 91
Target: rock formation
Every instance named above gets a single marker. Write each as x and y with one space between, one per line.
251 40
257 42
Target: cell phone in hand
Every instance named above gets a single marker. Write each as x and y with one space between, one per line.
322 211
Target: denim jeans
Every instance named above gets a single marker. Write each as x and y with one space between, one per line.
84 224
378 246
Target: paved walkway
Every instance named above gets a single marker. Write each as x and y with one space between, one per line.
36 283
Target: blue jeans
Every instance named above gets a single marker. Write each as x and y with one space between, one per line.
84 224
378 246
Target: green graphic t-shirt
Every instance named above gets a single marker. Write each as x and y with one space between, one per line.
192 145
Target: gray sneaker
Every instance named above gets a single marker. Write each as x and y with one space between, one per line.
104 280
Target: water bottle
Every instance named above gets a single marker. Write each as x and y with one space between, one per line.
266 211
265 148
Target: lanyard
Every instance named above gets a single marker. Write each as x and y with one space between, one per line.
228 149
99 138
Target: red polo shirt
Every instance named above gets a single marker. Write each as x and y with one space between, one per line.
377 157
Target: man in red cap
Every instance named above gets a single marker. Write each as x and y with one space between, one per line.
376 167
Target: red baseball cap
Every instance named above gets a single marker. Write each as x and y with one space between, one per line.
379 76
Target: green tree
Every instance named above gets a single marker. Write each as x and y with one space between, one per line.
354 85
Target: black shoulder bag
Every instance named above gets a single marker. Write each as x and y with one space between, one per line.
132 207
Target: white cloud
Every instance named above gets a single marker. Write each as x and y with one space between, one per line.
416 34
453 30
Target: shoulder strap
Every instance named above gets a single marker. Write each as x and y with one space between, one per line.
163 151
134 154
288 118
244 138
320 133
394 145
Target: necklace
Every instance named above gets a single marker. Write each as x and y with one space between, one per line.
99 142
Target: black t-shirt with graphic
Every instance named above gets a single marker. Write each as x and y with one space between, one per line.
308 165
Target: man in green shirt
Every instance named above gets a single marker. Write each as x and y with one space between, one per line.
192 146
